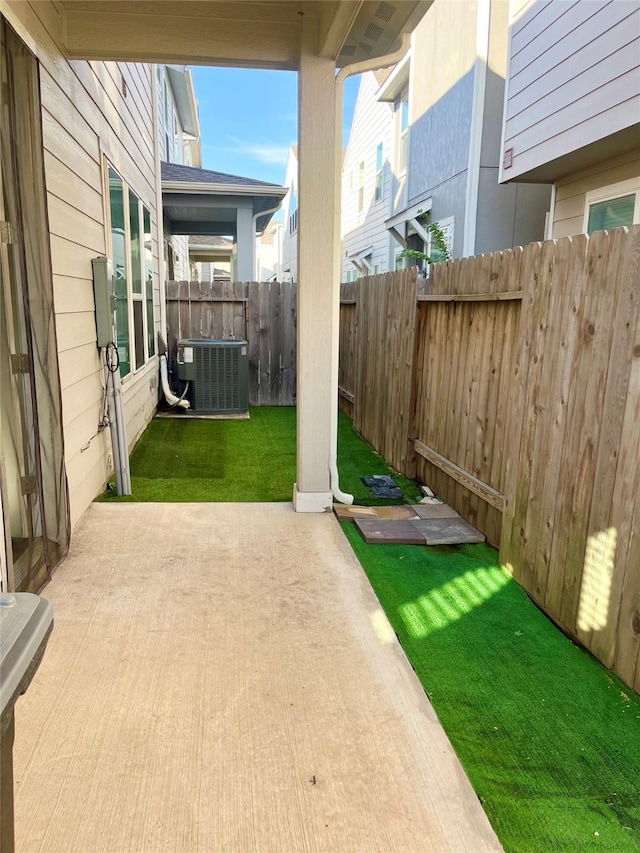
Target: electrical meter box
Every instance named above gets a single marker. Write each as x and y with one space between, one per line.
105 300
218 373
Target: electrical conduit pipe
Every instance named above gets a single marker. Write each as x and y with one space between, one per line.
341 76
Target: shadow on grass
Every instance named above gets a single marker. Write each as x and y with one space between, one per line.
548 737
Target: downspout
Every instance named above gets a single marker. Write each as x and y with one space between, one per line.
341 76
257 216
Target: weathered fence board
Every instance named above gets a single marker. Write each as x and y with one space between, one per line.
463 370
524 389
263 314
383 363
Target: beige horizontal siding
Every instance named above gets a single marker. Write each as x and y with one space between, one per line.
73 294
74 361
568 218
86 114
68 186
71 223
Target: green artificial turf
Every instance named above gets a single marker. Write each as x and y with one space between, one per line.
215 460
193 460
548 737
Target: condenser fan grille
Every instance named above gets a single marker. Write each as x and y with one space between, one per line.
217 387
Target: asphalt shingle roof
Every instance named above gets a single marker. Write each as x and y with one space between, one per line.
190 174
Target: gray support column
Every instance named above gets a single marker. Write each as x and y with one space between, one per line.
246 244
317 288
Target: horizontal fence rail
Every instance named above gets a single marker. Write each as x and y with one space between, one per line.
511 385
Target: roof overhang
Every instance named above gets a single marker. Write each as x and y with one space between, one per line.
209 210
408 219
396 82
240 33
185 98
408 214
596 152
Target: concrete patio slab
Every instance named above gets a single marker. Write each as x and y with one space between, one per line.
221 677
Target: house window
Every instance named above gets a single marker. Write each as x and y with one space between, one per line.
361 187
403 109
612 207
293 213
131 253
148 289
379 162
398 263
435 253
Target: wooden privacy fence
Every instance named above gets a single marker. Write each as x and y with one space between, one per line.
262 313
523 373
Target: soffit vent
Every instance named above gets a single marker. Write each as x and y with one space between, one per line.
365 48
348 50
373 32
385 11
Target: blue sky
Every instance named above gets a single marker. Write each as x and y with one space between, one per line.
248 119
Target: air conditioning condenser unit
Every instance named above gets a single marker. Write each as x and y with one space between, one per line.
218 373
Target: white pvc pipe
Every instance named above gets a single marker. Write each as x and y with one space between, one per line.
347 71
169 396
113 428
122 434
336 491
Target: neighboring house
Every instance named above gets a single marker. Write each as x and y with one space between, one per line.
210 257
446 104
201 202
572 113
179 142
290 218
269 253
368 182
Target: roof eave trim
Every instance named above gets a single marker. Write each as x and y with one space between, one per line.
181 83
398 80
206 188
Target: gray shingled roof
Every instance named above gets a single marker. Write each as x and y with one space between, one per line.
211 242
190 174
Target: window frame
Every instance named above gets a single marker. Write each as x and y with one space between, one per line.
361 177
610 193
146 271
403 133
293 211
378 190
447 226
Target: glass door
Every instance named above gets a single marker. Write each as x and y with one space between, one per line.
33 490
20 462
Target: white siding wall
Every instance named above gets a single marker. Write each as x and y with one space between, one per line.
85 117
289 240
573 77
373 123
